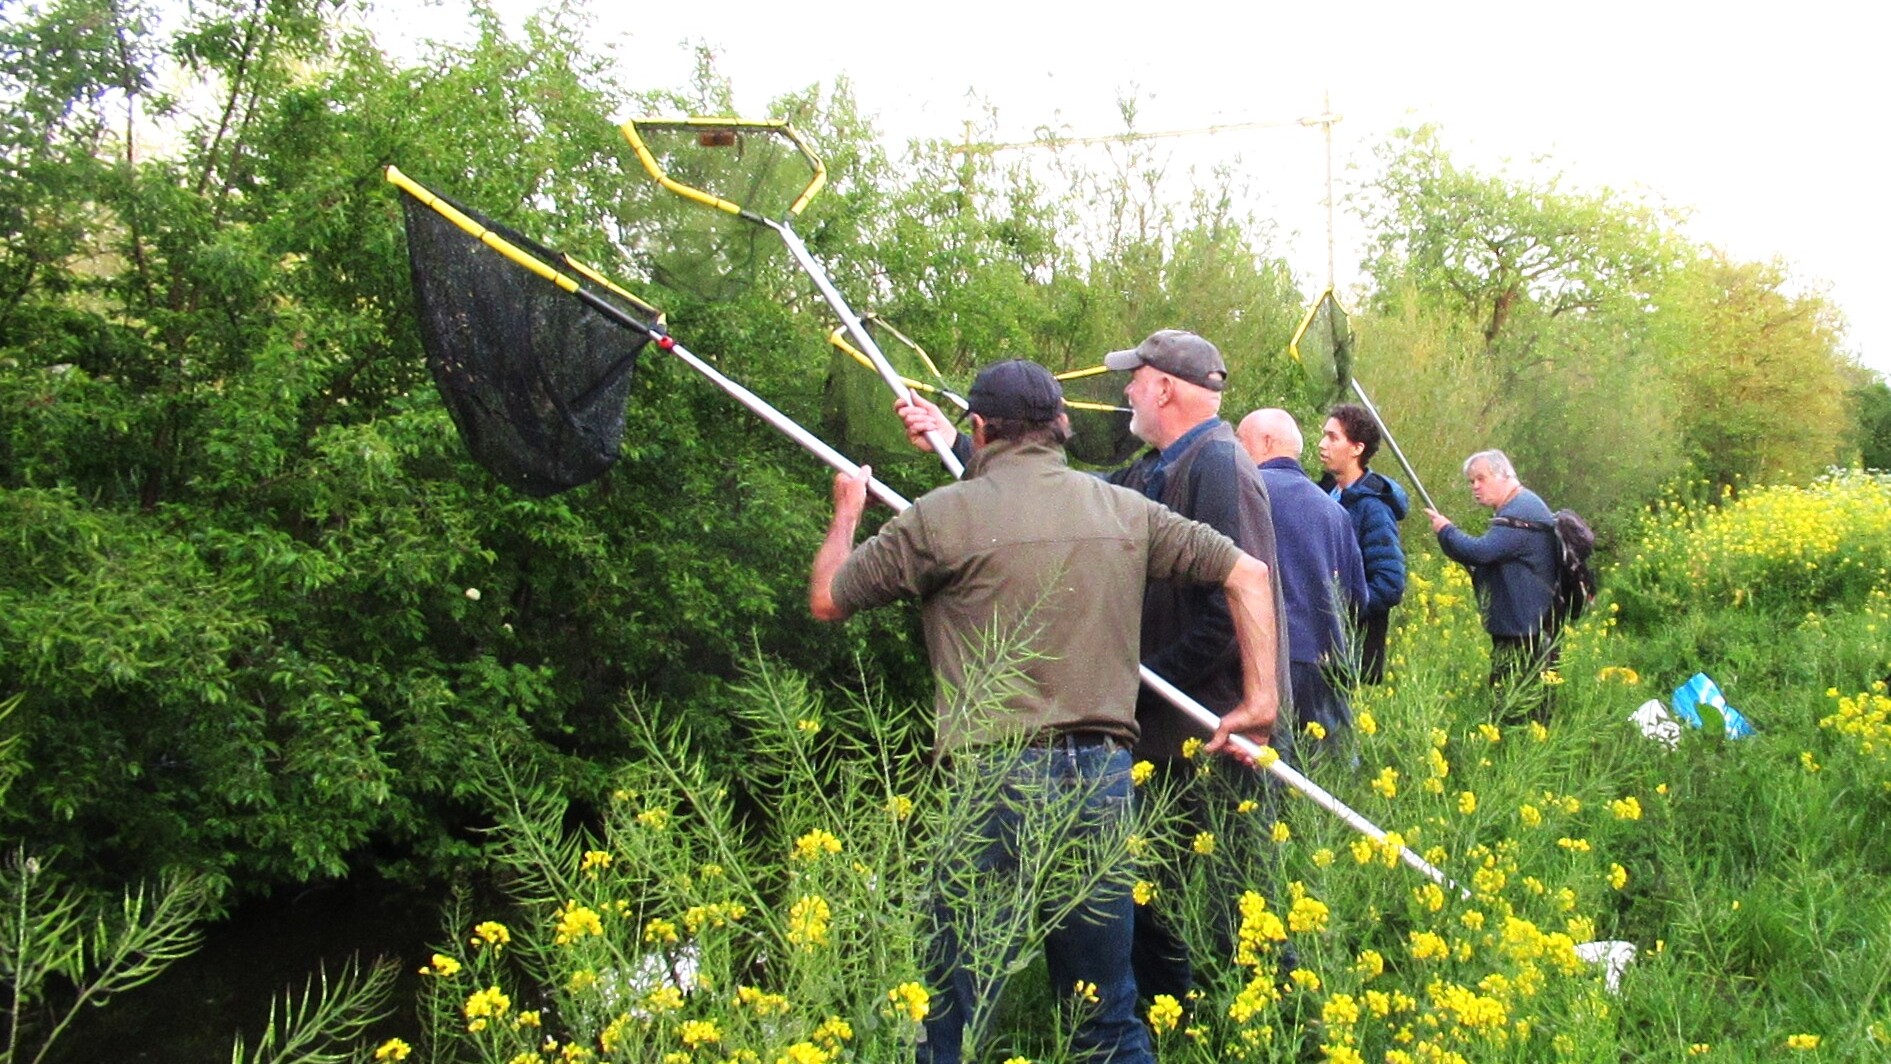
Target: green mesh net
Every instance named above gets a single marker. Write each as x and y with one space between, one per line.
693 247
1323 346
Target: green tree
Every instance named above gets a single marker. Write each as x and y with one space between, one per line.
1757 372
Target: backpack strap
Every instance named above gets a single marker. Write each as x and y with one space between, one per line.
1531 526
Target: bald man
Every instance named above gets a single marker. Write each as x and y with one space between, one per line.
1321 575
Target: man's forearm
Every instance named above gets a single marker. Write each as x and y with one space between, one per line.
1251 605
827 562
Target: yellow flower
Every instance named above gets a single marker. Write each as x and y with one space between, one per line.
1143 892
1164 1013
833 1031
575 922
654 819
1429 896
1551 677
1017 1060
1426 945
1248 805
1811 765
1574 845
1490 732
1626 676
1190 747
1267 756
1531 817
1370 965
1363 850
811 846
1341 1053
1387 782
1698 1049
1281 832
659 932
594 862
1467 802
529 1018
1140 772
663 999
761 1001
1204 843
1315 729
1307 915
1618 876
807 921
1086 991
900 806
442 966
491 933
910 1000
695 1033
808 726
1628 808
1366 723
803 1053
1803 1041
1322 857
393 1049
1306 979
489 1003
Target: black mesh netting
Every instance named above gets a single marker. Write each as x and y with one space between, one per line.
535 380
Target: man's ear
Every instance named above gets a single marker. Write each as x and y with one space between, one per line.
978 430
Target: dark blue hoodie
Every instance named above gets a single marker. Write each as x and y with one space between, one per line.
1376 505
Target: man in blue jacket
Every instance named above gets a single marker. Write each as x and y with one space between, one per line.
1514 570
1322 580
1376 505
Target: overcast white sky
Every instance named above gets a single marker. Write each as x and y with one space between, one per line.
1767 122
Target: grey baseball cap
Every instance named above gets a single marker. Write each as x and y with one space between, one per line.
1016 389
1177 352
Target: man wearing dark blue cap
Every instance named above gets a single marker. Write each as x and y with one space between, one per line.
1195 467
1026 552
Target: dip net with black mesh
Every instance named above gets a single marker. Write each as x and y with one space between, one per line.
537 382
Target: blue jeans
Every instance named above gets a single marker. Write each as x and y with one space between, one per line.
1082 784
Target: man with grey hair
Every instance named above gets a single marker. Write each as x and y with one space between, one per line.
1515 571
1322 577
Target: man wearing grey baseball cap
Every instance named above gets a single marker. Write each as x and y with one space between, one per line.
1196 467
1029 577
1179 354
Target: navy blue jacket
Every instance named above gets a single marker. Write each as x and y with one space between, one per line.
1377 504
1513 569
1319 555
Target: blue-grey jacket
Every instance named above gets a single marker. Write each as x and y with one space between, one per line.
1513 569
1376 505
1319 557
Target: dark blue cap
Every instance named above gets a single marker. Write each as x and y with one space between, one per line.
1017 390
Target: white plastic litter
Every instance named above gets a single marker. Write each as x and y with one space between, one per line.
1657 723
1614 954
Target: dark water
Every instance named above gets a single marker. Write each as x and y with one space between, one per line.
192 1013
